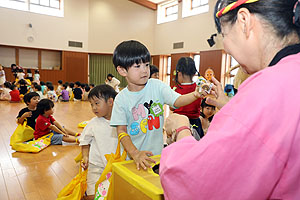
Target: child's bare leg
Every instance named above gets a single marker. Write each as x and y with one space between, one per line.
69 132
70 139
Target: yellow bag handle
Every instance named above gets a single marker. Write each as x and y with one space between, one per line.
121 135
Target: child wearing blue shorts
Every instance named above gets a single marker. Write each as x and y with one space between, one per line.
45 123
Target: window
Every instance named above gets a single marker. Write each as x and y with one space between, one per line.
168 70
194 7
167 12
47 7
233 72
197 63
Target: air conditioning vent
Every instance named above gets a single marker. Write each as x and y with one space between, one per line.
178 45
75 44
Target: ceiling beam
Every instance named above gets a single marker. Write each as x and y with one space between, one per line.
146 3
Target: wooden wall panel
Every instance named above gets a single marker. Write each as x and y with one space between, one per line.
52 75
212 59
174 60
75 65
8 74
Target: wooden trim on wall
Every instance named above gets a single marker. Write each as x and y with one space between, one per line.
146 4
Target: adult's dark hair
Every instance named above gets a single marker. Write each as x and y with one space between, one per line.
153 69
102 91
60 82
44 105
38 87
278 13
129 52
78 83
50 87
7 84
186 66
29 96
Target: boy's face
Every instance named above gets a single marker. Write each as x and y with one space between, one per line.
34 101
100 107
137 74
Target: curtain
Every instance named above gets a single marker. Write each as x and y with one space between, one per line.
100 66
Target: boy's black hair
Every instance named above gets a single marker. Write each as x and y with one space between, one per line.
153 69
7 84
38 87
129 52
22 82
50 87
87 88
71 85
28 70
65 86
78 83
48 83
102 91
44 105
20 70
12 87
36 71
110 75
66 83
60 82
29 96
92 84
42 83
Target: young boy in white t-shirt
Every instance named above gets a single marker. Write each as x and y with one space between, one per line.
138 108
98 137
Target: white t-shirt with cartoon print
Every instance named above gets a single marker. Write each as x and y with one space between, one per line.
142 112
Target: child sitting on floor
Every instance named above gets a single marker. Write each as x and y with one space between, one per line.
98 137
14 94
46 124
29 113
51 93
4 92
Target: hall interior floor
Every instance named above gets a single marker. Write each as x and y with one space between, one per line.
36 176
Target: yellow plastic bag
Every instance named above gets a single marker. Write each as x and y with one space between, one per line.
71 96
76 188
102 189
83 124
33 146
22 133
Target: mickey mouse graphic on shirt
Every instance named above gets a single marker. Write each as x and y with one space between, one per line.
146 121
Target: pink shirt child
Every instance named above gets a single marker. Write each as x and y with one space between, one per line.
251 150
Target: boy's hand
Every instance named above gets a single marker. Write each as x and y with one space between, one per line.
27 114
85 163
141 159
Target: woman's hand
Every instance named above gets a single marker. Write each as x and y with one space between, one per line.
218 91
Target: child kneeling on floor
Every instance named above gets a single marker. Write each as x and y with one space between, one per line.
45 124
98 137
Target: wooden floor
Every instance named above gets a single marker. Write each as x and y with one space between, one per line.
42 175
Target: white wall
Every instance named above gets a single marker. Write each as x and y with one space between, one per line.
113 21
48 32
193 31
